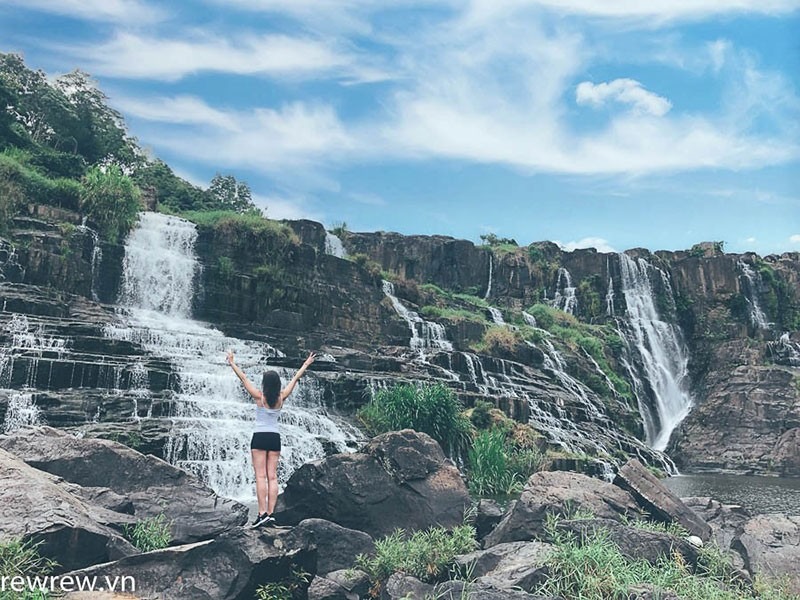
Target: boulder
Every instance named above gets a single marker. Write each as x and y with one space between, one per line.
770 547
152 485
37 507
400 479
476 590
229 567
337 546
355 581
400 586
490 513
559 493
726 520
658 500
325 589
506 566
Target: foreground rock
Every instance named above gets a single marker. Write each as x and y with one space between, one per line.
399 479
230 567
560 493
658 500
337 546
36 506
151 485
515 565
770 547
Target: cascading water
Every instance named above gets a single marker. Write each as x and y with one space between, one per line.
21 412
565 298
97 256
662 359
497 316
211 413
610 292
529 318
334 246
489 281
424 334
751 283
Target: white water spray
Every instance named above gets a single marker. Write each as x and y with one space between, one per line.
663 357
424 334
211 414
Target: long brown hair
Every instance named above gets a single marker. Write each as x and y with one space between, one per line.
271 387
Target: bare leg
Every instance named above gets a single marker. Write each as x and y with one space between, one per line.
260 468
272 480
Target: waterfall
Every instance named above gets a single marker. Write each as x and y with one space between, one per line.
529 318
497 316
662 358
489 282
30 343
21 412
211 413
424 334
334 246
610 292
564 297
751 282
97 256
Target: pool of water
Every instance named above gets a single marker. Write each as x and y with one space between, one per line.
757 494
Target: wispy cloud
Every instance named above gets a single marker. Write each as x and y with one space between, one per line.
625 91
278 207
795 239
116 11
176 110
129 55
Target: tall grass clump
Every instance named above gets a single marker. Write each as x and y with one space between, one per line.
432 409
21 558
427 555
149 534
111 201
497 466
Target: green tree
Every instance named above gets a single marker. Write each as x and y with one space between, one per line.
111 201
172 192
229 194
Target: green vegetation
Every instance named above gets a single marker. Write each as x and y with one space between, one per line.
21 558
427 555
294 587
480 415
28 184
491 240
111 201
498 465
339 229
781 300
594 569
432 409
456 315
149 534
499 339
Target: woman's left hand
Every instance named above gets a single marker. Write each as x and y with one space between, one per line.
312 356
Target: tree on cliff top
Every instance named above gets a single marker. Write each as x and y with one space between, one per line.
229 194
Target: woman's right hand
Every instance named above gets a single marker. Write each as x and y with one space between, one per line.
229 357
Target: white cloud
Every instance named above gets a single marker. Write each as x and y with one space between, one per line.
278 207
295 135
625 91
600 244
125 12
650 13
133 56
751 240
176 110
795 239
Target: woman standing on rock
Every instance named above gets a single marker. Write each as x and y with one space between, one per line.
265 447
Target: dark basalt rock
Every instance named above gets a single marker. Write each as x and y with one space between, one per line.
153 486
399 479
337 546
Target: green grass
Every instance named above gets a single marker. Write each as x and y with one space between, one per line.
497 466
149 534
21 558
427 555
432 409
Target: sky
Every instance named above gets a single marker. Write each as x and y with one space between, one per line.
610 124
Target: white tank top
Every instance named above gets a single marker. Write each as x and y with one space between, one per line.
267 419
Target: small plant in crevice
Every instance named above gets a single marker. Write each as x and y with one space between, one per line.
288 589
152 533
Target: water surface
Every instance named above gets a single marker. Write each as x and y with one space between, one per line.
757 494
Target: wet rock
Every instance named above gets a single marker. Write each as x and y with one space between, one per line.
337 546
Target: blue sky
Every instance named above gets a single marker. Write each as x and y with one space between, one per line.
613 124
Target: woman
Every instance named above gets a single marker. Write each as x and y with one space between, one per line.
265 447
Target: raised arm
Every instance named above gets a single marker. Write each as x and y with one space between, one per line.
312 356
251 389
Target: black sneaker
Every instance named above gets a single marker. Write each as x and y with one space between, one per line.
269 521
260 520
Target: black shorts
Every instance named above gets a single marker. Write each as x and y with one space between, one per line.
266 440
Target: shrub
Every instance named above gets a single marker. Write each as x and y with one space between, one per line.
111 201
432 409
481 416
500 340
11 200
427 555
149 534
34 186
497 466
543 315
21 558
